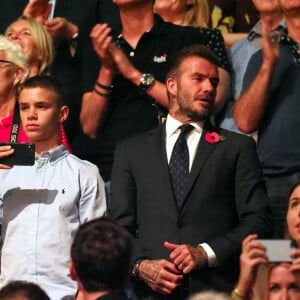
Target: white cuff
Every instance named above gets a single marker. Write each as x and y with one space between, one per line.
212 259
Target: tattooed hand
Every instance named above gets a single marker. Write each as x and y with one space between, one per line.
161 275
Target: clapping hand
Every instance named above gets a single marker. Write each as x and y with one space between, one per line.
38 10
270 42
102 41
61 28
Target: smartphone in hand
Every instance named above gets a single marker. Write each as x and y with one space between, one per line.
24 154
278 250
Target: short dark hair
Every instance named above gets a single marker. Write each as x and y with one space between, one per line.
22 288
47 82
193 50
101 253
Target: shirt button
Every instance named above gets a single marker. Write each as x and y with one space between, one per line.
131 53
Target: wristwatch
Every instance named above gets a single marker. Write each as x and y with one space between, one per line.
135 268
147 80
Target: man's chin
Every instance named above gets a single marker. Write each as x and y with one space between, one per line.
200 115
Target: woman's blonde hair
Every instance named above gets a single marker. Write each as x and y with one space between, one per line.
261 285
197 14
14 54
43 40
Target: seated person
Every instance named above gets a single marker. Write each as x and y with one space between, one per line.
100 256
22 290
255 266
209 295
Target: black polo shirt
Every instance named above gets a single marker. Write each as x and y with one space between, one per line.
130 110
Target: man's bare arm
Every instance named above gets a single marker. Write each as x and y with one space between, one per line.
249 110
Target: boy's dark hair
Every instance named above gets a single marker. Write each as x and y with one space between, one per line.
47 82
29 290
101 253
194 50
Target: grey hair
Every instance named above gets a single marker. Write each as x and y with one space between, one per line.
14 54
209 295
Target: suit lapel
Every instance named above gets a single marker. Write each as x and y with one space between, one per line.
157 144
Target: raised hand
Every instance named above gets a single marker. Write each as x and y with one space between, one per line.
295 255
38 10
123 64
102 41
60 28
253 254
270 42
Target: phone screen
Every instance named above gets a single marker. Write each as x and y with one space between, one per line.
278 250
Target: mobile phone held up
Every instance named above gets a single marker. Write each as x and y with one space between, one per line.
278 250
23 155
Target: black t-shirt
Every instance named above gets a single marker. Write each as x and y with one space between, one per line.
130 110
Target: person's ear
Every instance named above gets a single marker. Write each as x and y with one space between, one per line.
171 84
64 113
18 76
73 273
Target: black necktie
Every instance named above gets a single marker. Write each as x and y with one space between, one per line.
179 164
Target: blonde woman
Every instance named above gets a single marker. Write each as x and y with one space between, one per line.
36 42
261 280
13 70
184 12
38 47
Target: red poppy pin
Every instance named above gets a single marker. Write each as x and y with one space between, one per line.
214 137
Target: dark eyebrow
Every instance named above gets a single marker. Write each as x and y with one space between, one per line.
294 198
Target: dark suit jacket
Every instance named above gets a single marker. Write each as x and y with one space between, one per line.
225 200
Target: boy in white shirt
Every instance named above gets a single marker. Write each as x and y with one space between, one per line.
44 204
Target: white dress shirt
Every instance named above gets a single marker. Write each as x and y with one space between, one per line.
192 140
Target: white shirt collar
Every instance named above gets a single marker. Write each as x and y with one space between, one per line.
172 125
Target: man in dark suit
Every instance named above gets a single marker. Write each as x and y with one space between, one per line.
188 232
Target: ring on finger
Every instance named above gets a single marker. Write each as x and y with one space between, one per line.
183 265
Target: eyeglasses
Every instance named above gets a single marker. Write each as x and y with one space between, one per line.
5 63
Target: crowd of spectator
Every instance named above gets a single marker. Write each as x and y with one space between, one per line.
165 149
